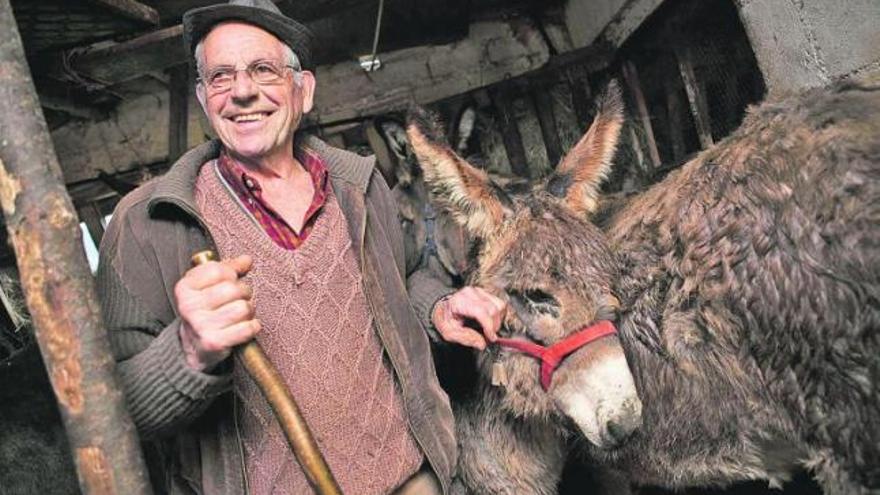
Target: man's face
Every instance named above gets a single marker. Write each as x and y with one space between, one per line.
253 121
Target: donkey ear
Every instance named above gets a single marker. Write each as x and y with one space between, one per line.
581 172
462 190
395 138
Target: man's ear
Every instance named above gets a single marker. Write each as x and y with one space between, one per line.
202 96
456 187
307 87
580 174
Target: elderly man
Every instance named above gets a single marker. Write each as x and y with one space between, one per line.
312 266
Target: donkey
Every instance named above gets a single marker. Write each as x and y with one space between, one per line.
744 290
433 242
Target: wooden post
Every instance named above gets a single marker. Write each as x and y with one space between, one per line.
131 10
639 154
178 111
696 98
516 152
380 149
543 102
90 214
58 285
732 112
581 95
674 120
632 81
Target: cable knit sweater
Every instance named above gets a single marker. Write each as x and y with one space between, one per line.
318 330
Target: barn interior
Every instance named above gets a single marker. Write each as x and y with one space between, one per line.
515 81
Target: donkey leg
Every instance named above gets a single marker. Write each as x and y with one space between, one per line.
611 482
501 455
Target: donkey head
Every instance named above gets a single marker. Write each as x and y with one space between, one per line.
538 251
450 242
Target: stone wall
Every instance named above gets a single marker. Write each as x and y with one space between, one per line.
806 43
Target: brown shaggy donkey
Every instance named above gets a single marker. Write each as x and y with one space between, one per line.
745 290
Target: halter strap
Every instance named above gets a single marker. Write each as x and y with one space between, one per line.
551 357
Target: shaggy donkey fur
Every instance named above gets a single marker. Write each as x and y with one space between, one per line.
749 289
751 282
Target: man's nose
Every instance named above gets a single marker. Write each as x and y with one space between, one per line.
243 87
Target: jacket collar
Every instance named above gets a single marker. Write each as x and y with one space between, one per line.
177 186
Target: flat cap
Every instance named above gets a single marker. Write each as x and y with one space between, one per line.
261 13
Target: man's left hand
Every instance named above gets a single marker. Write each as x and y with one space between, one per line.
470 305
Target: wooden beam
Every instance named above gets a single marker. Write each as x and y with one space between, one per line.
132 10
516 152
581 94
97 191
696 97
178 111
636 147
68 106
733 113
173 10
109 65
631 76
492 52
90 215
591 59
380 149
543 101
675 124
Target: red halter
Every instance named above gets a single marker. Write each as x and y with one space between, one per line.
551 357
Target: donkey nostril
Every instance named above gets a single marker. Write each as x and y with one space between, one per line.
619 431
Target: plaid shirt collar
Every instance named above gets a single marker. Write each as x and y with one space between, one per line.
249 192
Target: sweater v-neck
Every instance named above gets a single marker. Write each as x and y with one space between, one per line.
297 259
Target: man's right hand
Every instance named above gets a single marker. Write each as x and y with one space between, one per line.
216 311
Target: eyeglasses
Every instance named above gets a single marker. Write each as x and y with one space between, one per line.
263 72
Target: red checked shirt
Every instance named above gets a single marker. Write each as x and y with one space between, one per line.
250 194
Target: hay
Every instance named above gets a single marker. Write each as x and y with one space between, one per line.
13 302
15 333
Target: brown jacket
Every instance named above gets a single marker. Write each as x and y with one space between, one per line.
189 415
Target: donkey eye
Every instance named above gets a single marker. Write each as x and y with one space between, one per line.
535 301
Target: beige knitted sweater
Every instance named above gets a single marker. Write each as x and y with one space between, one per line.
318 330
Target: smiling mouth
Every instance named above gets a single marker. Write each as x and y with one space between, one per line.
249 117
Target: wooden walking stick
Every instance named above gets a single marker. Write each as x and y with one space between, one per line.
297 431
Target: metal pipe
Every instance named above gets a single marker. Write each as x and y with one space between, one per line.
58 285
295 428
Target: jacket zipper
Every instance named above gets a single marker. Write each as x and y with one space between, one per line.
244 474
194 214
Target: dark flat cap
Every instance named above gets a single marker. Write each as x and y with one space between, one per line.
261 13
